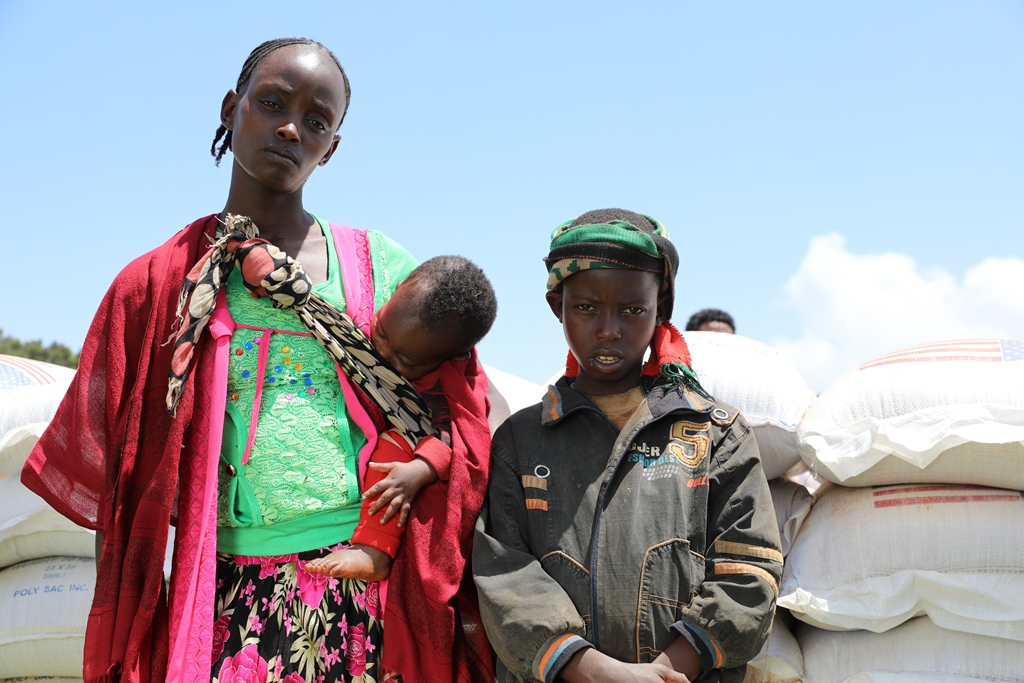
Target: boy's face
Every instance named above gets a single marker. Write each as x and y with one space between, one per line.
608 316
412 349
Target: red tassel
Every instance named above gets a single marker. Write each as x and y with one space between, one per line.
667 347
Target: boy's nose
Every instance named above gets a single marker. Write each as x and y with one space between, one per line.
608 328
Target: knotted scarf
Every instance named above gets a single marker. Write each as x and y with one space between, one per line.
268 271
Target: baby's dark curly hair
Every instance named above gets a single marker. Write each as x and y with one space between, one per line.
458 296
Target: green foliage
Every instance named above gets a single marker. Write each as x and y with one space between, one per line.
55 353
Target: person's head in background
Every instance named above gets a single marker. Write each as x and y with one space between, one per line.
438 313
711 320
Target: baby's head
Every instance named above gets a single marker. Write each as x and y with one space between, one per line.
610 284
438 313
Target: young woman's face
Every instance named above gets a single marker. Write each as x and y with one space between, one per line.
283 125
608 317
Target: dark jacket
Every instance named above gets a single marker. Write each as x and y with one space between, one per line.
625 541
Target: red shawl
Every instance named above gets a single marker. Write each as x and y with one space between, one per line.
432 627
97 466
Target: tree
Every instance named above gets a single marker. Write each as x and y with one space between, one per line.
55 353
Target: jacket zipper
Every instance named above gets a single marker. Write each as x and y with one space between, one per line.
596 533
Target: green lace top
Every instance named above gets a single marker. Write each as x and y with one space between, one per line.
297 487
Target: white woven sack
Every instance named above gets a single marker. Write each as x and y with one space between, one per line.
792 503
916 648
46 604
762 384
508 394
940 412
912 677
30 404
872 558
16 444
779 661
29 528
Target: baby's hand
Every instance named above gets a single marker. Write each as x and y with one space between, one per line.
397 491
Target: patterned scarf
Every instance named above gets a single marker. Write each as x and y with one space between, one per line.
268 271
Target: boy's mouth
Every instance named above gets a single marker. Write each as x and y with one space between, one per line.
604 360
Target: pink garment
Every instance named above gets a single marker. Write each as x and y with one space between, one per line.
195 553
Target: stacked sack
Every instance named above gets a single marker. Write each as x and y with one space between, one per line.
910 566
47 570
773 398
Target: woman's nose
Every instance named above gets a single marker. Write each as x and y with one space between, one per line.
288 132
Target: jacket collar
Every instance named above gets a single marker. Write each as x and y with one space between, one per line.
561 399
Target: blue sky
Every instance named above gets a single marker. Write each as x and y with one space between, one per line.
845 178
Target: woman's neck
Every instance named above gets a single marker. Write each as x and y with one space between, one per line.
279 216
282 221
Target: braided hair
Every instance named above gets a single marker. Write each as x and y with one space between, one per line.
255 57
458 298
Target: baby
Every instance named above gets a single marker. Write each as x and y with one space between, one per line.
438 314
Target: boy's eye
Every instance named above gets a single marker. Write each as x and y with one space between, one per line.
319 125
584 307
270 104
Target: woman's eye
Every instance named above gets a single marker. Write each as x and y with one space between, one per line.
270 104
584 307
635 310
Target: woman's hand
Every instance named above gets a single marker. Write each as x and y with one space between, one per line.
397 490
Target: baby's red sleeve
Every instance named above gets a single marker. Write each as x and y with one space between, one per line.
433 450
369 531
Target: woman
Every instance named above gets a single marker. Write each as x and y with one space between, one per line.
134 444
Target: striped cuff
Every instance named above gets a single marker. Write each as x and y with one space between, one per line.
556 654
710 658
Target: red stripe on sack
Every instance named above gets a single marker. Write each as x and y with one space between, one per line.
931 487
933 358
958 350
938 500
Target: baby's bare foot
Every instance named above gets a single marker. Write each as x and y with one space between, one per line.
354 562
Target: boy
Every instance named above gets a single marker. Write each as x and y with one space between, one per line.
628 532
438 314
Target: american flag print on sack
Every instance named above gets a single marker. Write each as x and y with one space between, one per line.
18 372
975 350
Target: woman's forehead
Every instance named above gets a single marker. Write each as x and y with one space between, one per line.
300 65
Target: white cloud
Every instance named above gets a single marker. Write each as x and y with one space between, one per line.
855 307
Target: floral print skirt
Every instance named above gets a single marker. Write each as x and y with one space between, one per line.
276 622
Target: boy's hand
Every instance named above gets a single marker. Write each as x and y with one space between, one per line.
595 667
680 656
398 489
